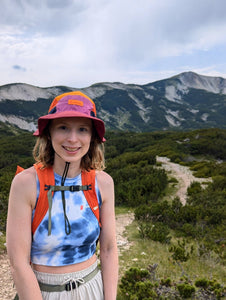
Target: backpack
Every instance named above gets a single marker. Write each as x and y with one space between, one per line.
47 185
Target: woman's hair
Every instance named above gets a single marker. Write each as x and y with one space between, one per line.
43 152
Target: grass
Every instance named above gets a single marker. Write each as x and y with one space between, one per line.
2 243
122 210
145 252
170 191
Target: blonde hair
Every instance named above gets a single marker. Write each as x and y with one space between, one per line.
94 159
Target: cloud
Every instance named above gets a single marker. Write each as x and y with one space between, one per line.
45 17
19 68
80 42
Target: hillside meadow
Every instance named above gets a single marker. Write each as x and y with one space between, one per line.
177 252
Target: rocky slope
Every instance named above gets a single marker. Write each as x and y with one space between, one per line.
183 102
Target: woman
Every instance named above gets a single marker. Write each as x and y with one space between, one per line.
53 220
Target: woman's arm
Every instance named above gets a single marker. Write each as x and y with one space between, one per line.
108 244
18 234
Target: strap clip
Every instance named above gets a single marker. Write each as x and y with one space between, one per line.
47 187
89 187
75 188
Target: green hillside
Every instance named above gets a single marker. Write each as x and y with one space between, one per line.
186 242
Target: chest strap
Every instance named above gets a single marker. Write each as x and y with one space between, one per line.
47 186
62 188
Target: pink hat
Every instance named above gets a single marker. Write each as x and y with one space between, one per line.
72 104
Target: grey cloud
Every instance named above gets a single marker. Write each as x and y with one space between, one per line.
19 68
181 19
155 29
59 3
46 17
107 37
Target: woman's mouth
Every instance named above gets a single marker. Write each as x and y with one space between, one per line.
71 149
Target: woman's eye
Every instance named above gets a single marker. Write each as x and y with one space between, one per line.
83 129
62 127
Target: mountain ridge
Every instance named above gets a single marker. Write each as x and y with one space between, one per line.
184 101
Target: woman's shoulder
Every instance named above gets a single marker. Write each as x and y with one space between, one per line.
104 178
24 186
25 178
105 184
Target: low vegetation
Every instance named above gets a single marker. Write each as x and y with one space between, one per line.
178 251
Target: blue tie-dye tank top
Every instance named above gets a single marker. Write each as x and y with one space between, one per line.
60 249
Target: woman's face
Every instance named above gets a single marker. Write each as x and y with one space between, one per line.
71 138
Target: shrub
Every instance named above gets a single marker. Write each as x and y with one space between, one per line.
185 290
203 283
135 184
211 287
158 232
130 279
138 284
189 230
144 291
180 252
154 212
154 231
166 282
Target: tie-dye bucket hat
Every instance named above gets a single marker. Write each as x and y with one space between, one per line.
69 105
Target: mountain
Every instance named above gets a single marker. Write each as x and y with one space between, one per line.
183 102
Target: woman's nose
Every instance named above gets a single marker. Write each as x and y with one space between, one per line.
73 136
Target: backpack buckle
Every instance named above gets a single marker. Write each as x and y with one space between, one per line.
89 187
47 187
75 188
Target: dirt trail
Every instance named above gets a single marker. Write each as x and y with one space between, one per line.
122 221
181 173
7 291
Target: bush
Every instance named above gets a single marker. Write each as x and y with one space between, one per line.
154 212
185 290
203 283
129 280
181 252
211 287
189 230
158 232
134 184
138 284
166 282
144 291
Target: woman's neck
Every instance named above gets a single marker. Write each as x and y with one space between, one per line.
73 171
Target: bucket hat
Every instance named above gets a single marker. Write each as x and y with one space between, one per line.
69 105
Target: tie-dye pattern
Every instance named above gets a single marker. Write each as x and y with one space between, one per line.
60 249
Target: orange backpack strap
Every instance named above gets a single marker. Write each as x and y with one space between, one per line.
88 178
46 177
18 170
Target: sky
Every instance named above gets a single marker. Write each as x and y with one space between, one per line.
78 43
